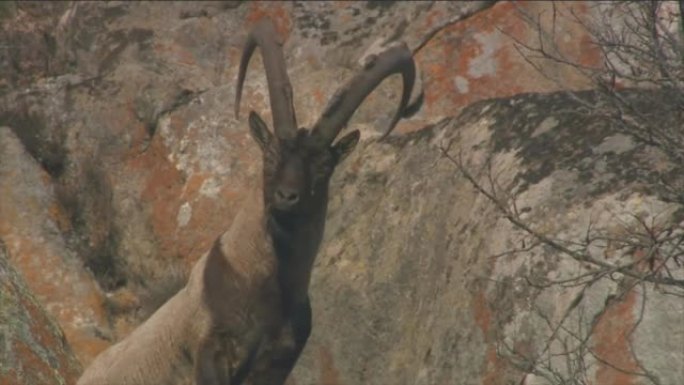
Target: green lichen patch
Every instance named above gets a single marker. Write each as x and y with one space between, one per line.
551 132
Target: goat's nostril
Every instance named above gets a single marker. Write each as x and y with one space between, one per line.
289 197
292 197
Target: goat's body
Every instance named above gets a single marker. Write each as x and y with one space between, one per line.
296 244
245 315
210 327
153 353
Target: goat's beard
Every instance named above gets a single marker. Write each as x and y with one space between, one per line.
282 223
282 228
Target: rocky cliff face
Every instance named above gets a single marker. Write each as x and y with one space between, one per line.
432 283
33 348
122 161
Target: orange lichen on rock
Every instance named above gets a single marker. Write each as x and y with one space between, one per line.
329 374
177 52
162 186
493 365
29 228
71 303
33 349
611 340
477 58
276 11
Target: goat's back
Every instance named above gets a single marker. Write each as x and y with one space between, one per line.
155 352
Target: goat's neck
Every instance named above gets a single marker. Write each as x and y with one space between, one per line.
296 239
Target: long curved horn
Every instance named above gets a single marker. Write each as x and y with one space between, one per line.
341 107
264 36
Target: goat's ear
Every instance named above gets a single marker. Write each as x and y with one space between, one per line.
344 146
259 130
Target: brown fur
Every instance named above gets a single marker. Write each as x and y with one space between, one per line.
245 313
204 332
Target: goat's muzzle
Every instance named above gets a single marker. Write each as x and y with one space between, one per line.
285 198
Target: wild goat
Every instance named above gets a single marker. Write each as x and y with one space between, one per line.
244 314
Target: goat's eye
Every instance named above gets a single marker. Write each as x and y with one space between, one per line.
320 168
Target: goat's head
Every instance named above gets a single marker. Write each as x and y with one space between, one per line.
298 163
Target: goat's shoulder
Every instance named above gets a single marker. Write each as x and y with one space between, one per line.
152 353
240 268
247 246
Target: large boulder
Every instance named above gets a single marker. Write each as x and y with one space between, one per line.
422 280
33 347
32 227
